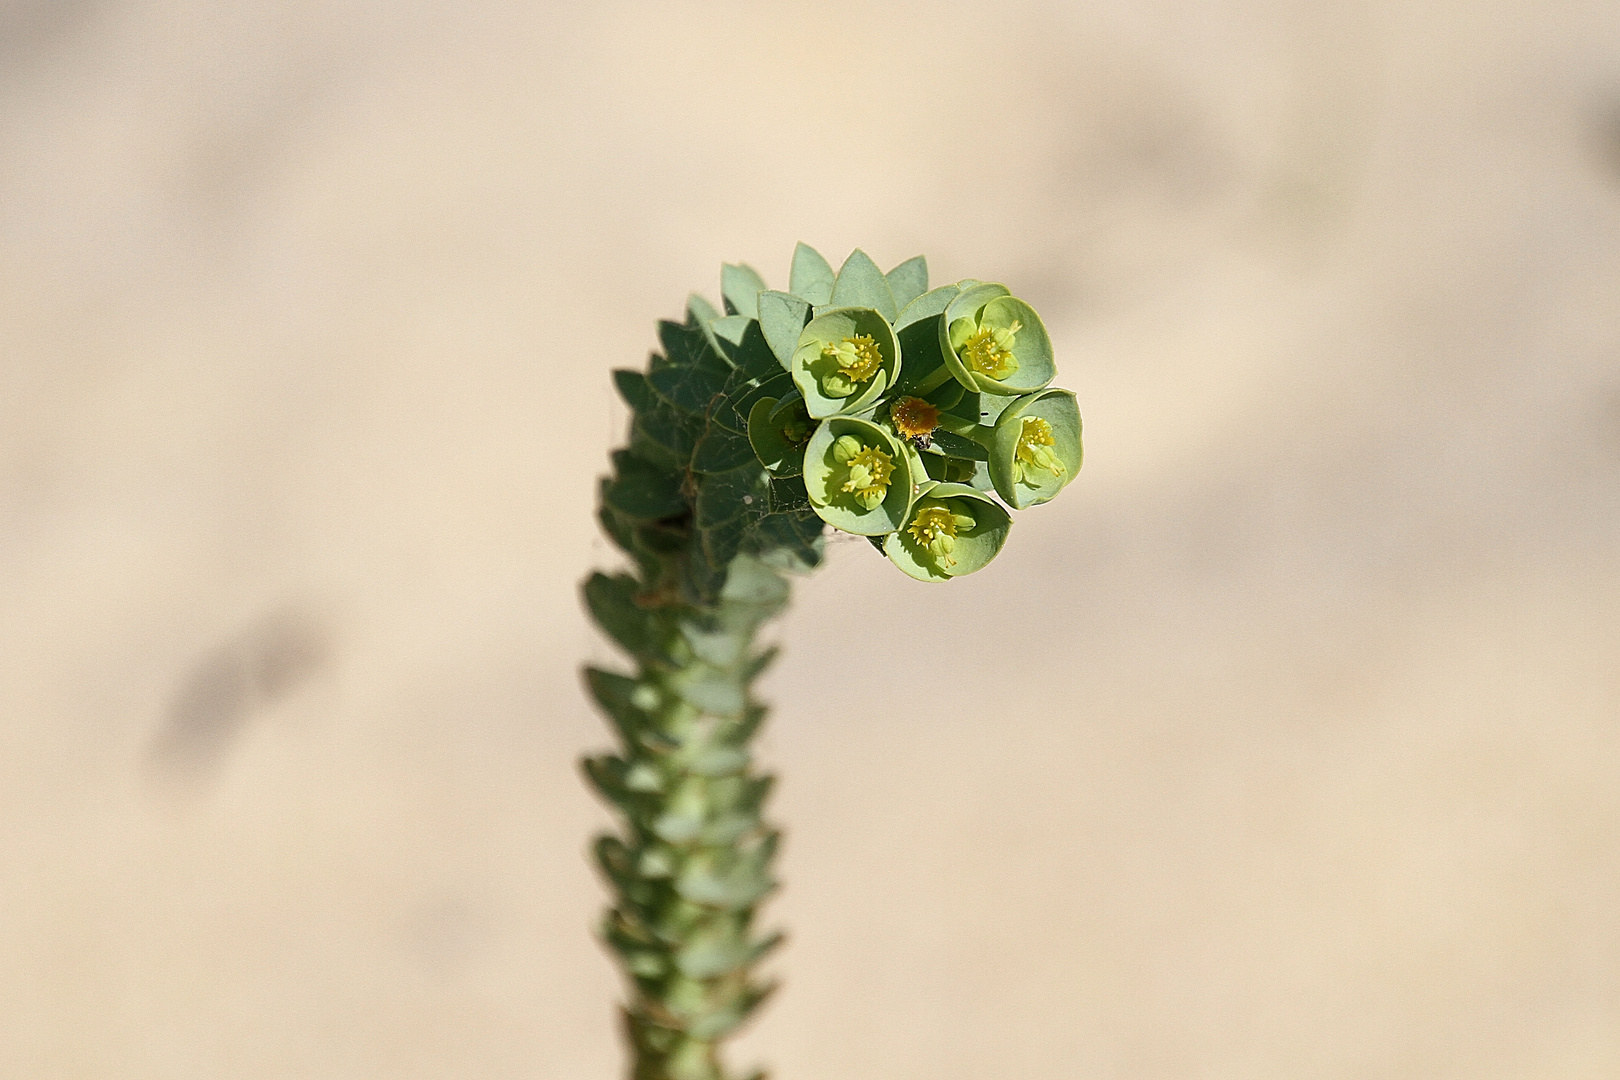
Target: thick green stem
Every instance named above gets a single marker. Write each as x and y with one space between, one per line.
936 379
693 860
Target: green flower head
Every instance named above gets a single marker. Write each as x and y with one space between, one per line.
844 361
995 343
953 530
858 476
1035 450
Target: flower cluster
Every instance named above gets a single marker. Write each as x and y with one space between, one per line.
916 417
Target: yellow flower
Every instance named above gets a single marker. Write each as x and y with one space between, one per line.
988 350
870 470
1035 451
858 359
935 528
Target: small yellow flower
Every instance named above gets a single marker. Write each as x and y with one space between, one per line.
988 350
1035 451
870 470
857 358
935 528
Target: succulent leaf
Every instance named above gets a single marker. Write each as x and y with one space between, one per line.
908 281
782 317
811 278
861 284
740 284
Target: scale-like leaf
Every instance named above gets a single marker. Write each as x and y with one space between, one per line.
811 278
861 284
741 285
721 450
643 491
782 317
612 603
725 495
908 281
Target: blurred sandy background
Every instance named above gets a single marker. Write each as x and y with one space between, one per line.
1286 744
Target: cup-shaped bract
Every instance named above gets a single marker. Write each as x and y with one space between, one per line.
858 476
952 530
846 358
995 343
778 432
1035 448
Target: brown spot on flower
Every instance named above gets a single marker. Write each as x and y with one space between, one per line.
913 417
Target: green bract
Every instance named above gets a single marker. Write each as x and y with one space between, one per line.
952 530
778 432
995 343
1035 450
858 476
844 361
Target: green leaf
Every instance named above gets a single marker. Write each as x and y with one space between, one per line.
731 889
861 284
711 956
756 585
674 430
811 278
689 386
617 527
720 450
613 693
690 374
959 446
709 691
741 285
643 491
777 451
606 774
740 402
720 761
908 281
724 495
757 664
714 643
920 348
715 1024
702 574
612 603
700 310
722 542
782 317
678 828
927 306
792 543
633 388
788 496
745 348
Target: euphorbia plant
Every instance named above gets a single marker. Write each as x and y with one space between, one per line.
859 400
